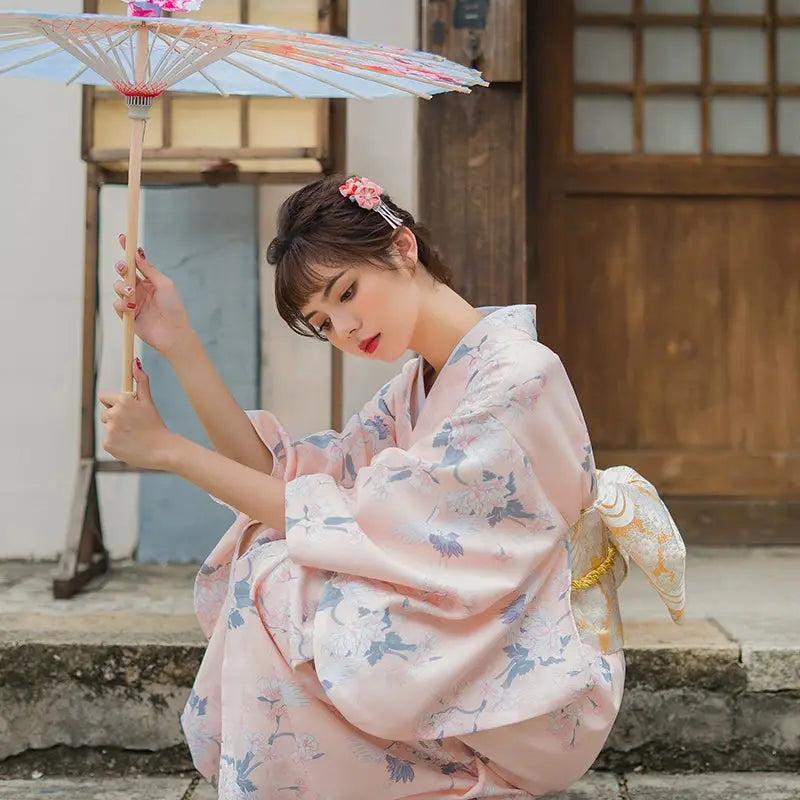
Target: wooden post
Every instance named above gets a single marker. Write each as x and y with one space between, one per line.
336 163
84 554
476 144
483 34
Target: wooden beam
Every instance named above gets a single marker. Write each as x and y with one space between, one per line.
682 176
207 153
167 178
84 554
90 307
491 43
333 19
702 473
736 521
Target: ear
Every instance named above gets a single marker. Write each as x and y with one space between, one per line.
406 244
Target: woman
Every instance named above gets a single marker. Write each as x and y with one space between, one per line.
391 615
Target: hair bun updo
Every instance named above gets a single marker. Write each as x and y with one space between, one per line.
318 227
277 249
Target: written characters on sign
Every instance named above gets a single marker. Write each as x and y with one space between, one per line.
470 14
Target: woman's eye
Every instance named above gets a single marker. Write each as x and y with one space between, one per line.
325 326
348 294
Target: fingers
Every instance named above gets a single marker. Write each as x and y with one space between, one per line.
142 380
122 269
142 264
127 293
125 307
108 399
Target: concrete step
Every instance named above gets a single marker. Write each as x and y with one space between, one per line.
595 786
95 685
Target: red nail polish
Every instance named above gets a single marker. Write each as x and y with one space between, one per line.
140 252
131 305
138 363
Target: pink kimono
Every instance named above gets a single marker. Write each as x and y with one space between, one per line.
413 635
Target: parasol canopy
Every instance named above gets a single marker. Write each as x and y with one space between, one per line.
221 58
144 54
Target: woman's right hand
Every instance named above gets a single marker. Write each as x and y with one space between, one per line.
160 318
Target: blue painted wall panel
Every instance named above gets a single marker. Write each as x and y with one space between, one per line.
206 240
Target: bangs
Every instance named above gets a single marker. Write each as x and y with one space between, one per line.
297 280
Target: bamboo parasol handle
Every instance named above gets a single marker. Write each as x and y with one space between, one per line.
138 124
131 245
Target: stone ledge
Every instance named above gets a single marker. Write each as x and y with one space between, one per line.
87 682
594 786
662 655
716 786
97 789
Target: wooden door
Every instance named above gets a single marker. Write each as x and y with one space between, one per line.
664 233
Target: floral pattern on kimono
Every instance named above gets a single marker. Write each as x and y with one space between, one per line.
420 601
471 581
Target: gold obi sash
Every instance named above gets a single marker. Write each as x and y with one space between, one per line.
630 520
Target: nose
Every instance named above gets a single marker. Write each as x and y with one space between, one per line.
348 323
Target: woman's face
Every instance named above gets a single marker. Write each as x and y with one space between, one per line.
366 311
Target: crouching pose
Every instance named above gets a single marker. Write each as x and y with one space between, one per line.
422 605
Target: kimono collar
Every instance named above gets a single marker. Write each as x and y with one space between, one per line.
497 323
495 318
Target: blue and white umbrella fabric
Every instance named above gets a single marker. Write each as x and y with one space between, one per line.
144 54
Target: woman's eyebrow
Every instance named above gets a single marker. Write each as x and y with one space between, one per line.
326 292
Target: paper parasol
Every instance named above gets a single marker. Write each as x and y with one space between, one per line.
144 54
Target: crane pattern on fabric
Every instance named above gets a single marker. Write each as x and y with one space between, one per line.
421 594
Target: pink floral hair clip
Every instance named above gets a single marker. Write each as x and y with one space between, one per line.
155 8
368 195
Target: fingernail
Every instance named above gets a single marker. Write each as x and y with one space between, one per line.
129 290
140 252
131 305
121 267
138 363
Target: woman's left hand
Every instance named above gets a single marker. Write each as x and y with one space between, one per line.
134 430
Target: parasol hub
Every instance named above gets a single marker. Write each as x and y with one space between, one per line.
151 90
139 105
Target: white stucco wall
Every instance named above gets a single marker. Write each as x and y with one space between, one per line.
42 233
381 144
41 230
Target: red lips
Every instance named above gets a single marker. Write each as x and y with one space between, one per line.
369 345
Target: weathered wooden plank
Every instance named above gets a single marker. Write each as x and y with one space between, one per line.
472 190
484 34
716 473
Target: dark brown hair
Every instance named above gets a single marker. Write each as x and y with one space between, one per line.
317 227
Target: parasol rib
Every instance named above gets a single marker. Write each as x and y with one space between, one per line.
31 60
18 46
170 48
300 71
66 44
83 69
208 58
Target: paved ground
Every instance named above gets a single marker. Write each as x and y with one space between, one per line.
749 594
717 786
742 609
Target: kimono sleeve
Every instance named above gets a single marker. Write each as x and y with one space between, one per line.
339 455
452 577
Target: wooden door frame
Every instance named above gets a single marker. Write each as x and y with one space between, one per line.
703 519
84 555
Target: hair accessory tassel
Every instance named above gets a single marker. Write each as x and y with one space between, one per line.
368 196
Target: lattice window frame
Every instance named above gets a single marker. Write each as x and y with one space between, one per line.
638 90
241 157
